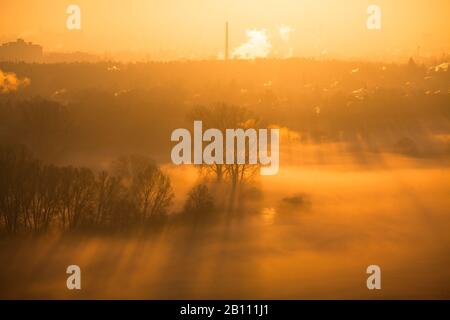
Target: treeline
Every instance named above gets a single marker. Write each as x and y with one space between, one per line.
95 123
104 110
213 80
36 197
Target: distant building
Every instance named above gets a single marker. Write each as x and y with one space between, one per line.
21 51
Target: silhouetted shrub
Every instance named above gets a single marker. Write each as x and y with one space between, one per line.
199 201
297 200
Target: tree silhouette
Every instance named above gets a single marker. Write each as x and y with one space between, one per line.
34 197
222 117
16 167
150 188
199 201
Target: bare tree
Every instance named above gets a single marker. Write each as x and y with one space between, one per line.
44 191
109 191
222 117
149 187
77 196
16 166
199 201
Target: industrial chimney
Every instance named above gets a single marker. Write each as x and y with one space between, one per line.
226 41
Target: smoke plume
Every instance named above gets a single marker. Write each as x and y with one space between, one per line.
10 82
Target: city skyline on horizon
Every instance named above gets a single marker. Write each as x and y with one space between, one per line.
317 29
128 56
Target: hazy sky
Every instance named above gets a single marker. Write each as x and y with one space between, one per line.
195 28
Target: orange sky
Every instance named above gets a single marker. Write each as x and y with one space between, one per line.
167 29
